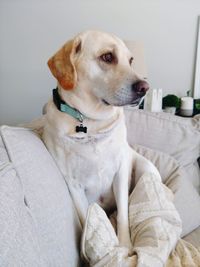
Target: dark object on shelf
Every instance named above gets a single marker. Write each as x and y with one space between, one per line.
196 107
141 106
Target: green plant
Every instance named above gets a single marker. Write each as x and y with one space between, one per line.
197 104
171 101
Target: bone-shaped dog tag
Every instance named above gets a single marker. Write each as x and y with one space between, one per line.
81 128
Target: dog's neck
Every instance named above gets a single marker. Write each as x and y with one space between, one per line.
95 123
87 105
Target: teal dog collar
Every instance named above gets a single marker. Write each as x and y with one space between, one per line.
64 107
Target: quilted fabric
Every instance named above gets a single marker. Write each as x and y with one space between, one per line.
99 237
154 223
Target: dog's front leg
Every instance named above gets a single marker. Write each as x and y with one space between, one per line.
120 187
79 199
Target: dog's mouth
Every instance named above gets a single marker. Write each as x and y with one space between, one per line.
134 103
105 102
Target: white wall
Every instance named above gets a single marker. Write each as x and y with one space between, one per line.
31 31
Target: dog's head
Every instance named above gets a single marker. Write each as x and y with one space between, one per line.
100 66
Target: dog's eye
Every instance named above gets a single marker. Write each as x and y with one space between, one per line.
131 60
108 57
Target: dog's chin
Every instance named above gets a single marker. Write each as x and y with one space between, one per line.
132 103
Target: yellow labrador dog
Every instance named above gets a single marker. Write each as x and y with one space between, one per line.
85 129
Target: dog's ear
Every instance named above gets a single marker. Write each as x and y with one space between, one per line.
62 64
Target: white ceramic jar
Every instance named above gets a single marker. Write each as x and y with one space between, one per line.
186 106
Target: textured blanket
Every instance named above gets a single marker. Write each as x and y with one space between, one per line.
155 229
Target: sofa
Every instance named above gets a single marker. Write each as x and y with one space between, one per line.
39 225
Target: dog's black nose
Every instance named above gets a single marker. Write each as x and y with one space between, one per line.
140 88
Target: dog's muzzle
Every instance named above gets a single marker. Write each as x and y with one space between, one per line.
130 95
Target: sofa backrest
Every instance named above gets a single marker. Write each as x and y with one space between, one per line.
39 225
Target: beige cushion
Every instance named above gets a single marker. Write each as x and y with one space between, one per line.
194 237
166 164
187 200
176 136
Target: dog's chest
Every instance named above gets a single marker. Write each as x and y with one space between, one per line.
90 162
93 166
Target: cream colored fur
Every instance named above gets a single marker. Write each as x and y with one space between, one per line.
97 165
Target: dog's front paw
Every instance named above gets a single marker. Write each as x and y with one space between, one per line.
129 247
126 242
